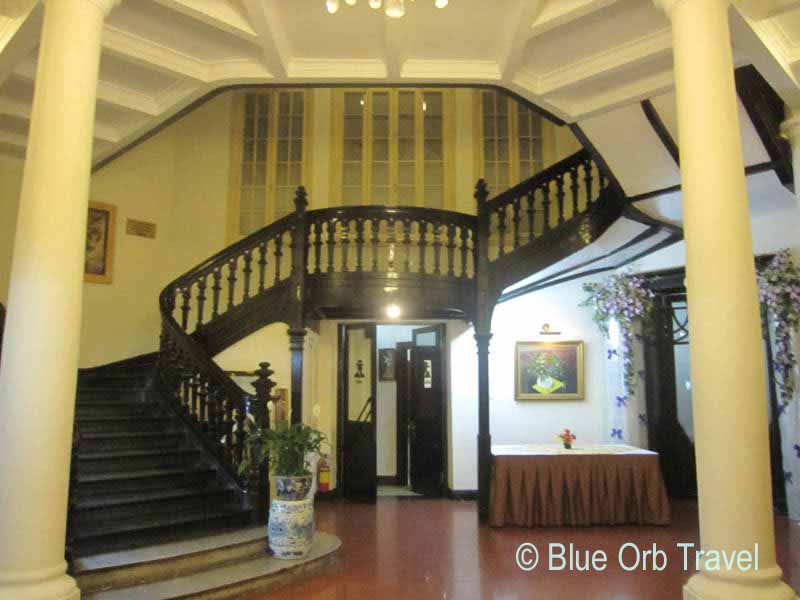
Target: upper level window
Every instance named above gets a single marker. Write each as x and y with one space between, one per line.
511 140
269 156
393 147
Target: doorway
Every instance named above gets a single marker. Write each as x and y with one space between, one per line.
394 443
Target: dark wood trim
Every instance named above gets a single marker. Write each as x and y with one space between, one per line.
748 171
766 111
464 495
401 460
2 326
661 130
578 132
341 362
208 96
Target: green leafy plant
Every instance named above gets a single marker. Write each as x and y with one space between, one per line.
287 447
546 364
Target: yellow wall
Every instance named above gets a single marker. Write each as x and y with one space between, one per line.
10 186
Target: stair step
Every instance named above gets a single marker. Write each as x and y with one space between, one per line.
101 462
112 408
122 424
236 579
137 481
157 521
167 560
105 511
123 440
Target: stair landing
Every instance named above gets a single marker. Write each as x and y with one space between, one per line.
227 565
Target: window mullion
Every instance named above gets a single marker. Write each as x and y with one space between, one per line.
271 189
419 148
513 143
394 161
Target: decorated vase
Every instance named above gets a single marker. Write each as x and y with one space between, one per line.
292 488
290 528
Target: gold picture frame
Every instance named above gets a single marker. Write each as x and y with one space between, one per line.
100 234
549 370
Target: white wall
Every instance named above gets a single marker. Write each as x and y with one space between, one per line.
528 421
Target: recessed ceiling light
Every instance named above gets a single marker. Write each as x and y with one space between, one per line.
393 311
332 6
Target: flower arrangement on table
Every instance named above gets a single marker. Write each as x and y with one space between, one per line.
626 299
779 290
567 437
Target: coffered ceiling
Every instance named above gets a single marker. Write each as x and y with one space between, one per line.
583 60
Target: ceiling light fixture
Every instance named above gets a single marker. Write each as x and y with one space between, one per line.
392 8
393 311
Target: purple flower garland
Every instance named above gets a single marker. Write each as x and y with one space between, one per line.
779 290
625 298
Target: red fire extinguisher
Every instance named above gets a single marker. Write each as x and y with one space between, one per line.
324 475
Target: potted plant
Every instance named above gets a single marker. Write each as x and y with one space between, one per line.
290 449
546 367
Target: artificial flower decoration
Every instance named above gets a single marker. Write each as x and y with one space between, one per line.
779 290
625 298
567 437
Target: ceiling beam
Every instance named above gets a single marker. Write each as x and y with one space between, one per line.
520 21
110 93
143 52
764 9
557 13
267 24
19 36
22 110
220 14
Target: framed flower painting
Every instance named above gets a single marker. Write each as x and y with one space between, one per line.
549 370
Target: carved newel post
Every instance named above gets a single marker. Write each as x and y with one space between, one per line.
483 326
297 330
258 479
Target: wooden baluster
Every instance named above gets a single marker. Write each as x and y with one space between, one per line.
375 230
172 299
247 271
228 425
501 229
331 241
603 180
530 207
422 245
546 204
202 415
195 390
345 246
573 173
262 266
588 179
391 244
318 247
515 221
240 435
187 299
560 197
451 249
464 250
278 256
232 264
359 245
436 231
201 299
407 245
216 288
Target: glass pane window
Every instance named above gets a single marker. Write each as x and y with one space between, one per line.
433 144
496 163
529 137
272 156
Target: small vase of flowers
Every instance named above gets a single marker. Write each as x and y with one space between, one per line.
567 437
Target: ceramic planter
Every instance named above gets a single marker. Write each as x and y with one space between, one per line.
290 528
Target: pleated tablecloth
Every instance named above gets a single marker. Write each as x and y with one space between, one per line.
543 485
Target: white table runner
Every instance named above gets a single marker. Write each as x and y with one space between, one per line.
555 449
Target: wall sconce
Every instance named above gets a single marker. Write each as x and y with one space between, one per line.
547 331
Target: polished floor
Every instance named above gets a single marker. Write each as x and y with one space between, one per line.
435 549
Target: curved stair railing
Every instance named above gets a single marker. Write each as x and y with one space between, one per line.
309 261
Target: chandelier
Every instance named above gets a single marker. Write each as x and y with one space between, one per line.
392 8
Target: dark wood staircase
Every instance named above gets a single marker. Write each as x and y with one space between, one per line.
137 471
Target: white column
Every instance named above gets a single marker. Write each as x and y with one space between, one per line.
40 348
728 378
790 129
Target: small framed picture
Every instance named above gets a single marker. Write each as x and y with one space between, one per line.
99 262
386 358
549 370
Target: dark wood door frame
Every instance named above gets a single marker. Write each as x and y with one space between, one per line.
402 380
343 391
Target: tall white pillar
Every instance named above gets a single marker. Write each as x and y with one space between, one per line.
40 347
790 129
728 377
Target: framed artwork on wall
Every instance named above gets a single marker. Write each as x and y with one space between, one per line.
386 364
549 370
100 231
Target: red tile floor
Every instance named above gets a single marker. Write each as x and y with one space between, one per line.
426 549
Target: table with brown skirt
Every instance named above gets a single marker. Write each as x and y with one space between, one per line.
544 485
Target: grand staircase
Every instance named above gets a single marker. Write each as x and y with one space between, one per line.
159 441
138 473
